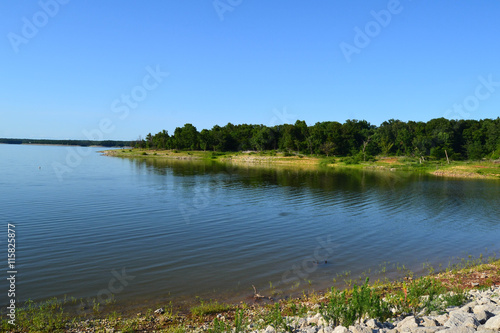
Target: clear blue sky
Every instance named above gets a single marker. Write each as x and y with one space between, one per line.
264 62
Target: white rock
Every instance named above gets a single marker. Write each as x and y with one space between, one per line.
493 323
269 329
360 329
461 329
428 322
460 318
340 329
483 313
372 323
408 322
442 318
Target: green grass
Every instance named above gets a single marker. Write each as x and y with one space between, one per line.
211 307
46 316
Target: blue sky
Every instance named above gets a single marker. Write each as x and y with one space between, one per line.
241 61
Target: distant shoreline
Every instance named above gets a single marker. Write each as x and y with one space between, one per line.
59 145
439 168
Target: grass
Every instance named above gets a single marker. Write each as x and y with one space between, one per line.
211 307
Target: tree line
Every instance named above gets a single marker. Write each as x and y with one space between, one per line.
459 139
83 143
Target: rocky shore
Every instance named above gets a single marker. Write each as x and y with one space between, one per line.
480 314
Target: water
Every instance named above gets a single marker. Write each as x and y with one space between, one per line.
147 231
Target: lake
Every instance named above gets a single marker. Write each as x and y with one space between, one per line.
146 231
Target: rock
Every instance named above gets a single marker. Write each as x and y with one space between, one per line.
481 329
160 311
269 329
423 329
314 320
493 323
482 314
461 329
340 329
442 319
360 329
460 318
469 306
408 322
310 329
373 323
428 322
326 329
302 322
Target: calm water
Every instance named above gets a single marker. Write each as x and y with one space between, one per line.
180 229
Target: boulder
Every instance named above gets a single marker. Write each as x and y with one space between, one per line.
493 323
460 318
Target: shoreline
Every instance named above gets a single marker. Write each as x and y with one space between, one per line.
456 169
467 279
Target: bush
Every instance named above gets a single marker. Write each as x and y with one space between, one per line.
363 302
351 160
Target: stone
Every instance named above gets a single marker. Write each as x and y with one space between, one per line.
423 329
428 322
311 329
326 329
469 306
340 329
442 319
461 329
460 318
408 322
160 311
269 329
301 322
493 323
482 313
360 329
373 323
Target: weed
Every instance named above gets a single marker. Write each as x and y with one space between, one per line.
210 308
275 319
346 310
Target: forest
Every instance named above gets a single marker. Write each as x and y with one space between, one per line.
437 138
83 143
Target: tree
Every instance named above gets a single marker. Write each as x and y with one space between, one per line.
328 148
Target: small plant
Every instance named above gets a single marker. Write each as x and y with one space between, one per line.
275 319
144 153
210 308
344 309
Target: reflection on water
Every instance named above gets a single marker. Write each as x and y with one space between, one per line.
202 228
